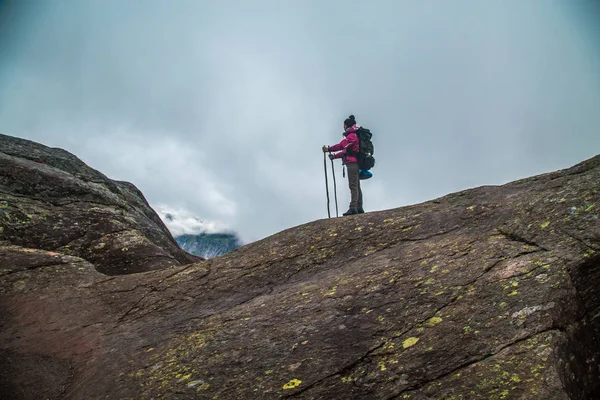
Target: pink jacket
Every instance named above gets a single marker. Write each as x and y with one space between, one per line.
350 142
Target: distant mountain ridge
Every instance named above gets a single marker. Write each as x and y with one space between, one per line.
209 245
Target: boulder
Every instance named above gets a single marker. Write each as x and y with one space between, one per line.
51 200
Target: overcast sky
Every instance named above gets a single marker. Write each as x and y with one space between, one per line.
218 109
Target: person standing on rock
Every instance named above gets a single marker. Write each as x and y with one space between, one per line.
346 150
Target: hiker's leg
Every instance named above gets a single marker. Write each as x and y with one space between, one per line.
354 184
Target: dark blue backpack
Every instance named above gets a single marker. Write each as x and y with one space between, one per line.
366 161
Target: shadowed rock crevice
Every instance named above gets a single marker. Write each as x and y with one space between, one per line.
579 360
487 293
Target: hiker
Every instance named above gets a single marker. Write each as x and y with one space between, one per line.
348 150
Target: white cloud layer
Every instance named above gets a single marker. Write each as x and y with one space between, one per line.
182 222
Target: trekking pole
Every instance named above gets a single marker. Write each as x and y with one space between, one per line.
337 214
326 183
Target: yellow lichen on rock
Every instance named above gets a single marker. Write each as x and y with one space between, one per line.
411 341
433 321
292 384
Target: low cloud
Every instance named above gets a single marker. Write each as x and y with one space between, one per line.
182 222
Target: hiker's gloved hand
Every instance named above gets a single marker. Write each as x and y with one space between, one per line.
325 149
331 157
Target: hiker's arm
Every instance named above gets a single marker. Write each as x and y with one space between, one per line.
338 155
348 144
340 146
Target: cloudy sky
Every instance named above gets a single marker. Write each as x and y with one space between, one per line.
217 109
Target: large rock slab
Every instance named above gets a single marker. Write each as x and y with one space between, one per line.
489 293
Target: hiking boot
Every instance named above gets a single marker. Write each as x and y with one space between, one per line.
352 211
361 210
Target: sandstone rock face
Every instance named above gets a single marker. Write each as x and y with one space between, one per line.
51 200
490 293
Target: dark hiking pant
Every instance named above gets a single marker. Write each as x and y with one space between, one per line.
356 200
